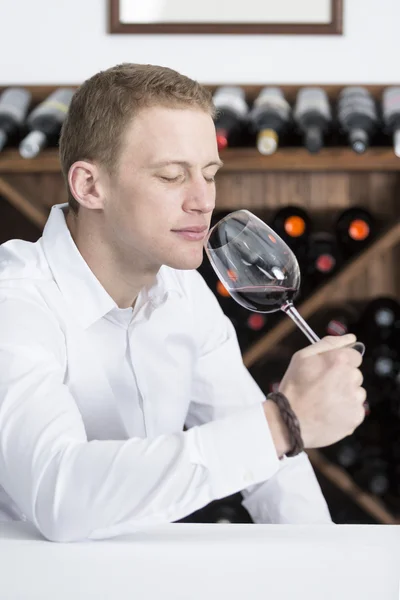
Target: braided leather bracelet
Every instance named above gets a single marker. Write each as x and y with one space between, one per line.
291 422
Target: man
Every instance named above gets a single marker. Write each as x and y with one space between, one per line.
111 341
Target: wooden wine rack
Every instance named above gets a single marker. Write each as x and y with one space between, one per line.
320 298
324 183
342 480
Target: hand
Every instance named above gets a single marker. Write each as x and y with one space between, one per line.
323 385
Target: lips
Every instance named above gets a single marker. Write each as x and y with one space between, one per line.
193 233
194 229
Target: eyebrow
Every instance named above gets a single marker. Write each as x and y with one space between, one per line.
184 163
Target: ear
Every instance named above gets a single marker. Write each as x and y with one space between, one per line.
87 184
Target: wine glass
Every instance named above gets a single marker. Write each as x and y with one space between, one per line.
257 267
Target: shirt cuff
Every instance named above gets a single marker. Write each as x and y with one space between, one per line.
238 451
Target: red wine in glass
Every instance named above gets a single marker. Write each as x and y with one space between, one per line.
257 267
263 298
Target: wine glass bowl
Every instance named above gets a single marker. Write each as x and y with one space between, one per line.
257 267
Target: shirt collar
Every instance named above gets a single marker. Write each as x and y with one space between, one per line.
78 284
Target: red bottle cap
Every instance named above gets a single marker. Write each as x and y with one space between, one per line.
335 327
256 322
222 139
325 263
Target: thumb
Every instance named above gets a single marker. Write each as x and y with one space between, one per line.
330 342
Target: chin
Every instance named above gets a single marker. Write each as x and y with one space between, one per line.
185 263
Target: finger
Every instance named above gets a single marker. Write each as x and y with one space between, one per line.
360 395
359 378
354 377
360 417
329 342
345 356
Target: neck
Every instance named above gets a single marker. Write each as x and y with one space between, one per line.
121 280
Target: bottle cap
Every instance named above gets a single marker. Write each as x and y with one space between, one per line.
222 139
256 321
222 291
359 230
325 263
294 226
267 141
336 327
32 144
383 366
384 317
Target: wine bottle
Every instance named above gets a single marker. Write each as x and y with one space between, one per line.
323 258
394 474
45 122
355 228
231 117
346 453
393 401
380 319
394 459
269 371
380 367
373 476
14 104
224 512
293 224
357 116
391 115
268 119
251 327
312 115
384 361
335 320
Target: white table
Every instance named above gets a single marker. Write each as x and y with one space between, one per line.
198 561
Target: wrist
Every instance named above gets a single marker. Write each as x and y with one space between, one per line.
279 431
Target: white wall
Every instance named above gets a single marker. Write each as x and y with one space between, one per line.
66 41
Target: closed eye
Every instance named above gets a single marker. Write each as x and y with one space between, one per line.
170 179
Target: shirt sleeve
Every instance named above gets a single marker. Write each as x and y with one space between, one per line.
73 489
223 386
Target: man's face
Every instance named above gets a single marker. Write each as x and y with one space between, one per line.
164 184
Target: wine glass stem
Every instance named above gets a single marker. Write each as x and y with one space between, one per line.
290 310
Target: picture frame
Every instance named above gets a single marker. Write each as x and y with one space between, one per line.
321 17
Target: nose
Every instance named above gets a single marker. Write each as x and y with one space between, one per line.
199 196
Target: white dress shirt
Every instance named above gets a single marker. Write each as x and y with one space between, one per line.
94 399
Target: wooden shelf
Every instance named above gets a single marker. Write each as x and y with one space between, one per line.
242 159
46 162
322 296
40 92
299 159
37 214
371 504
